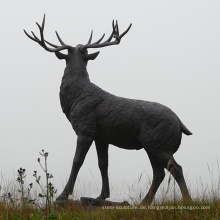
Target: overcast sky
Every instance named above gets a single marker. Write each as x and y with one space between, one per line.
170 55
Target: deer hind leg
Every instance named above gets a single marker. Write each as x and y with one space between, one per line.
83 145
158 176
176 170
102 152
166 160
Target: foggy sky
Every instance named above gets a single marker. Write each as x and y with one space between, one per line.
170 56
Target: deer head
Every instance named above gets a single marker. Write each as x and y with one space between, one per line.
80 52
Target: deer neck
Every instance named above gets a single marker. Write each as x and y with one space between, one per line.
74 82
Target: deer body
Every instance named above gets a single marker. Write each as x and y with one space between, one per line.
99 116
125 123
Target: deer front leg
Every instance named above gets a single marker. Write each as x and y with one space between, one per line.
83 145
102 152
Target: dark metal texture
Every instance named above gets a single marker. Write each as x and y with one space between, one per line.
99 116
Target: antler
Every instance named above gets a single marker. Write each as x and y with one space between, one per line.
42 41
108 42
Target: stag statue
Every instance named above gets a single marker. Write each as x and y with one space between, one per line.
99 116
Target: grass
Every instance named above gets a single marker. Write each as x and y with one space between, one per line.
18 200
199 209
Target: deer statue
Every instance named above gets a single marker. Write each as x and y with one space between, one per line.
99 116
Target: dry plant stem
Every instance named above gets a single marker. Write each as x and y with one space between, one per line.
20 180
47 182
48 194
47 199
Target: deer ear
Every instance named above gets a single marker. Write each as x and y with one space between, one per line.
60 55
91 56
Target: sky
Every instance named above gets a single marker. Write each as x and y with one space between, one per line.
170 56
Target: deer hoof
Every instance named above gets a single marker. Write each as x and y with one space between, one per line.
62 196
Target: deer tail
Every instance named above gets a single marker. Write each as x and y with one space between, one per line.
184 129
